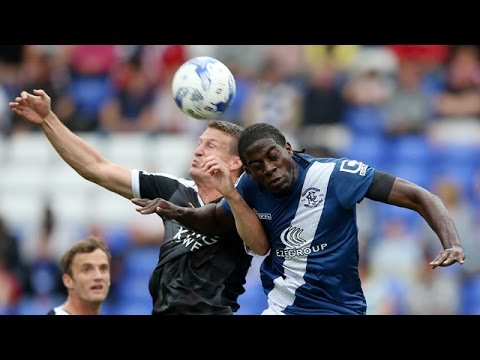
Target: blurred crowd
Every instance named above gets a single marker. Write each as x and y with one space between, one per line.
411 110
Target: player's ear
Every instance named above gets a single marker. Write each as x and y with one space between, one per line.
67 281
236 163
289 148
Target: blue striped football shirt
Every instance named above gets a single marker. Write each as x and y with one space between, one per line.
312 267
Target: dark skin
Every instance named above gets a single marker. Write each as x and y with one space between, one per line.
273 166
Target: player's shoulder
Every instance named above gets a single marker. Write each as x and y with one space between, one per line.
346 164
346 168
243 180
58 311
327 160
307 159
161 175
164 179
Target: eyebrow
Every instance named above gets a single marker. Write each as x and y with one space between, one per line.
210 139
89 264
268 150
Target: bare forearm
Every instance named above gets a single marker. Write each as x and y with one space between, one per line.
429 206
434 212
248 225
83 158
201 220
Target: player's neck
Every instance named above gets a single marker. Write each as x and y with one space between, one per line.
208 194
294 172
77 306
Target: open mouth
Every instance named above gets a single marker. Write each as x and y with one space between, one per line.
97 288
276 181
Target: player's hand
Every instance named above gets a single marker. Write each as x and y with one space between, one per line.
448 257
160 206
220 174
32 107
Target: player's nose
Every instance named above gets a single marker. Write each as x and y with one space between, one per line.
270 167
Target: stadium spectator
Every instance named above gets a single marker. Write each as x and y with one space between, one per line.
11 269
460 99
407 111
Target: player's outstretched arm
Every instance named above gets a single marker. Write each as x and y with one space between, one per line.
83 158
202 220
409 195
211 220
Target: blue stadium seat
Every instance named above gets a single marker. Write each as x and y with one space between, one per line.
414 172
38 305
90 93
463 154
118 239
462 175
133 308
364 120
133 288
410 149
370 150
470 296
410 219
138 265
140 261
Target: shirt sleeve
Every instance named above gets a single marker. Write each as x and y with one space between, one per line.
151 186
136 183
351 181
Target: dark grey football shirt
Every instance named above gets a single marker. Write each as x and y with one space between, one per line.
195 274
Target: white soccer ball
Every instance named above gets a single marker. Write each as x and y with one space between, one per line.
203 88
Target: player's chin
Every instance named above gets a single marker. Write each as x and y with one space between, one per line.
278 187
98 296
198 174
193 171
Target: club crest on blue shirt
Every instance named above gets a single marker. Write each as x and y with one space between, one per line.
312 197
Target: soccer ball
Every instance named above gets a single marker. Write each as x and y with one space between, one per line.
203 88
